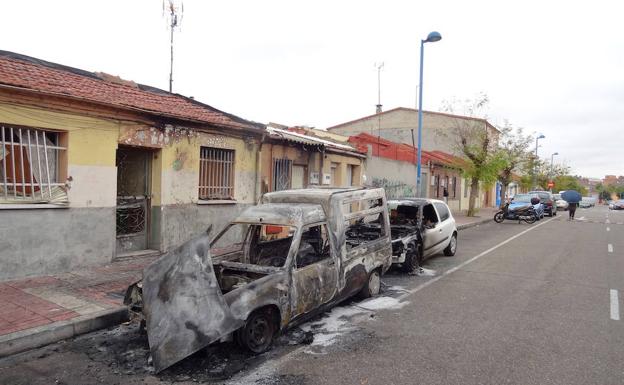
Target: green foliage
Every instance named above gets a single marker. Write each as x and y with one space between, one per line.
476 142
568 182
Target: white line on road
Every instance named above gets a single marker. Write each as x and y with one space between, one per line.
608 229
610 247
461 265
615 305
607 221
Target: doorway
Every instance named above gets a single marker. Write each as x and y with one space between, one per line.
133 199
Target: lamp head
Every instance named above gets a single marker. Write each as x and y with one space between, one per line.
433 37
555 153
541 136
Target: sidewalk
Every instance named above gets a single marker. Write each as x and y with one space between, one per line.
484 215
45 309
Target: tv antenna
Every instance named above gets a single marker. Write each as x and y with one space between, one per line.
379 66
174 13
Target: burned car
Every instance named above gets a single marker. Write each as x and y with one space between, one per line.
420 229
276 265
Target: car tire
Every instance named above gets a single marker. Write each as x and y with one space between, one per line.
258 332
372 286
451 249
412 259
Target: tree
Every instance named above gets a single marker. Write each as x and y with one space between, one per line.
476 142
514 152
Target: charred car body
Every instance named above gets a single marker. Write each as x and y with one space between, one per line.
279 263
420 229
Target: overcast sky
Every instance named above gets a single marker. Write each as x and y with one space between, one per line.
553 67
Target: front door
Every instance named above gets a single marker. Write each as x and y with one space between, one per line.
133 199
315 274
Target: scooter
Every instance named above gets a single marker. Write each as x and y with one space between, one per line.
522 213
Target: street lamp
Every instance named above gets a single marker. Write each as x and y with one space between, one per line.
552 166
431 38
540 136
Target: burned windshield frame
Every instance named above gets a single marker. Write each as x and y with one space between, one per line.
261 244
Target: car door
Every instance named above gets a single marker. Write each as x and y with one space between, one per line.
315 273
445 227
431 229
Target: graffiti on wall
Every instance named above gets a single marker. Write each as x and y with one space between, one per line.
395 188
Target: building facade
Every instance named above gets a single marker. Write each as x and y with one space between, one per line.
401 125
94 168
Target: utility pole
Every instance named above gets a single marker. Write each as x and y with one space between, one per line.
174 15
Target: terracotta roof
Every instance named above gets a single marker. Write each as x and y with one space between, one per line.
413 110
36 75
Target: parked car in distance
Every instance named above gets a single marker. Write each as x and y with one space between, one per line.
523 199
547 199
586 203
561 204
420 228
277 264
617 205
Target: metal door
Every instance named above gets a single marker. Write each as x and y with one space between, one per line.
133 199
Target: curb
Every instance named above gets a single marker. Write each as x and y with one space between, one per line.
44 335
473 224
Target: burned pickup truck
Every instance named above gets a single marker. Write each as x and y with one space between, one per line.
420 229
277 264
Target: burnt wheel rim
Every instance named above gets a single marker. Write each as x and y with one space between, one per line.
258 333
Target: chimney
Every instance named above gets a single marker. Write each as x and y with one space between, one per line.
378 111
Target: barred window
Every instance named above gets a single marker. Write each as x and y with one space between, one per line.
282 174
216 173
30 166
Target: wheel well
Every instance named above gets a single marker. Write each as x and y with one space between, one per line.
274 312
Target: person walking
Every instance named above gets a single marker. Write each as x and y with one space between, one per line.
572 210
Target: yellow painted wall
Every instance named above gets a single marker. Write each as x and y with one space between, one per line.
91 141
180 167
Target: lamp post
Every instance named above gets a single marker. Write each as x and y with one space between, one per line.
431 38
540 136
552 166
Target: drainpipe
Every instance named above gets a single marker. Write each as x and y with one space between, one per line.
258 187
321 173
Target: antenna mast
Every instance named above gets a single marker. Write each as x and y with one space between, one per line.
379 67
174 14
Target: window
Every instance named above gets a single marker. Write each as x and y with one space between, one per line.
364 229
282 174
30 168
216 173
313 247
442 210
430 218
454 188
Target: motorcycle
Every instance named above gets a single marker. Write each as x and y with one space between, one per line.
523 213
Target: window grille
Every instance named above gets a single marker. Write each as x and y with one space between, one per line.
282 174
216 173
29 166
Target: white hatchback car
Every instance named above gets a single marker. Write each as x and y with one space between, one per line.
421 228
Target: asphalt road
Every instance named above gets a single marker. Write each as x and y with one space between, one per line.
518 304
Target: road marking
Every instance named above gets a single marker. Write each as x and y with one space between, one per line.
608 229
461 265
607 221
610 247
615 306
